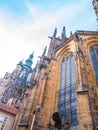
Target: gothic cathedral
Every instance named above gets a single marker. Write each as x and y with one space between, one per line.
61 92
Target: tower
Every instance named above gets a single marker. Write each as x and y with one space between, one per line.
14 88
19 79
28 62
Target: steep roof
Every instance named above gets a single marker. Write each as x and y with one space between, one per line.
8 109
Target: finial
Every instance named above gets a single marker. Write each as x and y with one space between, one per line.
32 55
70 33
20 62
63 34
37 63
95 5
44 52
55 32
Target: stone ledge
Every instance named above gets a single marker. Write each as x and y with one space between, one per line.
82 91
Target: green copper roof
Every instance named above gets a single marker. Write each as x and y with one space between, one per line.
29 61
20 62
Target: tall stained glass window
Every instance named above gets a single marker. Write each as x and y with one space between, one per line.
67 105
94 56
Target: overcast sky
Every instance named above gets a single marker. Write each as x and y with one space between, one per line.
26 24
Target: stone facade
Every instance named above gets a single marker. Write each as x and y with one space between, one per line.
61 92
42 99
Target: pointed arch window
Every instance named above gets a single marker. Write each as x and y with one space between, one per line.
94 56
67 105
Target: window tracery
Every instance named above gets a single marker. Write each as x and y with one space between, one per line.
94 57
67 95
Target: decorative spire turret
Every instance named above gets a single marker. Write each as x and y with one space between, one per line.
95 4
44 52
29 61
37 64
63 34
70 33
20 63
42 62
55 32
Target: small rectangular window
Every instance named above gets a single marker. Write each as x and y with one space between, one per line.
3 120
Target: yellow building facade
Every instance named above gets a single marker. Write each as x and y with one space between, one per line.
66 95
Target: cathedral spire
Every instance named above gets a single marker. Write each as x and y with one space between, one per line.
44 52
29 61
63 34
55 32
20 62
